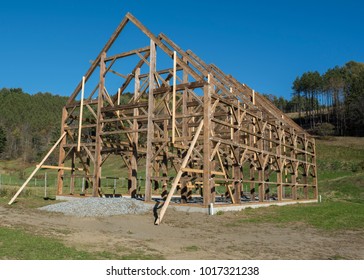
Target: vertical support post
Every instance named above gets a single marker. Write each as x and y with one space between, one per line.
135 140
98 143
306 168
83 185
80 116
174 96
184 189
118 102
237 167
150 133
184 105
62 153
72 180
252 167
114 190
45 184
314 182
280 166
295 170
207 175
261 179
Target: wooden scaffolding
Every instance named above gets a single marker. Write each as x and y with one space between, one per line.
190 125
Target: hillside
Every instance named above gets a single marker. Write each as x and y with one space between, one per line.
28 122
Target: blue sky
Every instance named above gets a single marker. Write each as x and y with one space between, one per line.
47 45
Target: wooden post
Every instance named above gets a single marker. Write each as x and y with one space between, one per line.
179 174
37 168
80 116
135 140
62 153
150 133
72 179
99 125
45 184
174 96
237 167
280 166
207 176
118 99
315 170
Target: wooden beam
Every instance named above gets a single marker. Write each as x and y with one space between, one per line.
150 133
126 54
62 153
37 168
174 96
80 115
98 143
179 175
201 171
135 140
57 167
207 149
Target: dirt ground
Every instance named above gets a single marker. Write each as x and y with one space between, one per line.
189 236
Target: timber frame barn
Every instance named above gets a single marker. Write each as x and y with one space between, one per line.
194 130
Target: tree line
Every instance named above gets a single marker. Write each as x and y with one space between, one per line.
332 101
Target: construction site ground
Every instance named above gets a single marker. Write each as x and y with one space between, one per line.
189 235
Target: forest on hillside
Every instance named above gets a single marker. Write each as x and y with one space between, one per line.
328 103
28 123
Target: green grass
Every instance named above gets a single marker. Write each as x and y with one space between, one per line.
17 244
327 215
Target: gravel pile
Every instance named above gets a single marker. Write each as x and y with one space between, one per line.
98 207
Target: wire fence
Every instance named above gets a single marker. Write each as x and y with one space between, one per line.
46 185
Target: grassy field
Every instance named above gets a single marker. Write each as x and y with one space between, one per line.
341 185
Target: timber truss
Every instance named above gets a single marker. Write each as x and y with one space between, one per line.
190 126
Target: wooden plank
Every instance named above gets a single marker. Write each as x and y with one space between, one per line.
80 115
174 96
98 143
62 153
150 133
126 54
58 167
37 168
207 149
179 175
201 171
228 187
135 140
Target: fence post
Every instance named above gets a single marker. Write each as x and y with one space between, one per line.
45 184
114 187
83 185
